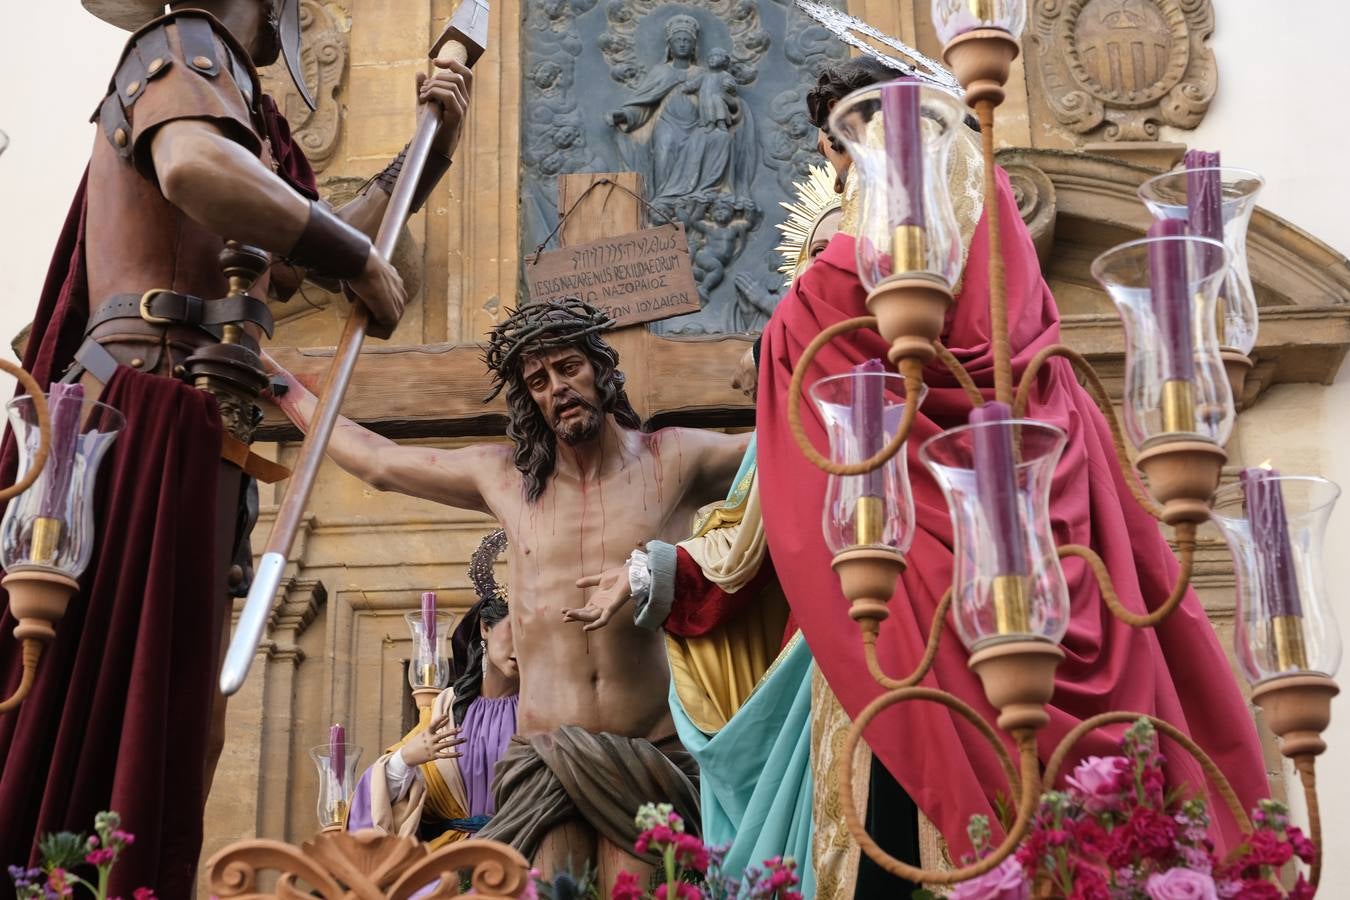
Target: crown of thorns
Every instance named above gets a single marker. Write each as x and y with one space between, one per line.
538 327
480 566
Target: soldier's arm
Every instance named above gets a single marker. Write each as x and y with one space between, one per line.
180 109
226 188
443 476
450 86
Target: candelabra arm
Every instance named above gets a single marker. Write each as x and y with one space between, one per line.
1185 532
869 635
960 374
1108 410
1216 777
32 652
43 410
998 297
1306 763
1027 788
912 369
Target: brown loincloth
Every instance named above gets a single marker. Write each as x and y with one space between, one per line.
545 780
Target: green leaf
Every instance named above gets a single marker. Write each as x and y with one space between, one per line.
63 850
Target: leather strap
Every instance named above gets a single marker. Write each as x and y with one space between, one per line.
330 246
436 167
236 451
199 45
93 358
173 308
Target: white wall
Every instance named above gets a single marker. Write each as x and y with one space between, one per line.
49 85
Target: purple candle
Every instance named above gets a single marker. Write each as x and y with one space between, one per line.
66 402
1204 194
429 620
1171 296
869 421
904 150
337 753
1204 208
996 483
1270 536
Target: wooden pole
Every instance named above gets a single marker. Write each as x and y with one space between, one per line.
267 578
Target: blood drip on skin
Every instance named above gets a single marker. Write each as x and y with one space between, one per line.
658 471
600 492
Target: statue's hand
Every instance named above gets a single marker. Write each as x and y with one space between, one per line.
450 86
438 740
746 379
612 594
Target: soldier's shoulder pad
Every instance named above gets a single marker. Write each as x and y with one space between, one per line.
203 46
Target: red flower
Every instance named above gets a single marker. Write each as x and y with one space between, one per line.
1266 849
690 853
626 887
1089 837
683 891
143 893
1088 884
100 857
1255 889
1302 847
1148 834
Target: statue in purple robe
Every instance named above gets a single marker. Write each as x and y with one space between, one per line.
436 783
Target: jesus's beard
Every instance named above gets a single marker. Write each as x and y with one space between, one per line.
581 428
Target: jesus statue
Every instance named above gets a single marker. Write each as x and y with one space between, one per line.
579 487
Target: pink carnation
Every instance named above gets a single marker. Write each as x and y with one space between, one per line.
1097 780
100 857
626 887
1181 884
1299 843
1007 882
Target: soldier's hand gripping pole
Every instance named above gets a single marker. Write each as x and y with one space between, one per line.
464 40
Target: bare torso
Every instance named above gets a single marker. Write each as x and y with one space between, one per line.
613 680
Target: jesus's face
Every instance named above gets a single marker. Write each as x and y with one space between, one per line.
562 384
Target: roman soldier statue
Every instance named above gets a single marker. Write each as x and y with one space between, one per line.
195 197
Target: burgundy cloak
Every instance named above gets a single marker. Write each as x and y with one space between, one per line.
120 715
1177 671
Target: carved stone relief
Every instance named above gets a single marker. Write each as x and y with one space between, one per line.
1117 70
703 98
324 57
1035 195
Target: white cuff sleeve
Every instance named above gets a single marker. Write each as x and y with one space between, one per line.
398 776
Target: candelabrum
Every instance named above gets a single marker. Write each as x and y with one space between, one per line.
47 533
336 761
429 668
1186 305
1217 203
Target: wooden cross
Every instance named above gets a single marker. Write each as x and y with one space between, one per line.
436 390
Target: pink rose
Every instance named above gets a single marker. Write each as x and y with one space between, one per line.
1007 882
1097 779
1181 884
